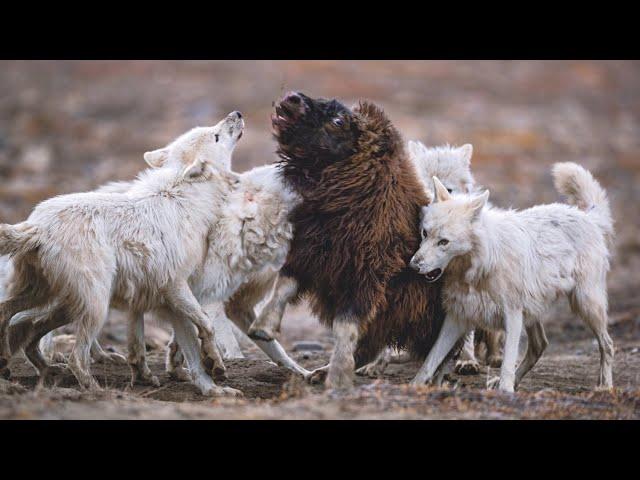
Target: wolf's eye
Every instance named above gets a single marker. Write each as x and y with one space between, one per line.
443 242
338 122
423 233
217 137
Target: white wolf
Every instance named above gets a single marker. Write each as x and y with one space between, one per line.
245 252
504 268
79 254
452 165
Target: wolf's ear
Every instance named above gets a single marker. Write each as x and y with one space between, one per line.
196 169
156 158
477 204
466 151
442 194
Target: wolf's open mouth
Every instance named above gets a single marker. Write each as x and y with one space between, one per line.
433 275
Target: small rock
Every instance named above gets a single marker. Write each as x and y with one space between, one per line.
307 345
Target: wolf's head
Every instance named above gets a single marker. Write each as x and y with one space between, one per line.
201 147
314 133
446 229
452 166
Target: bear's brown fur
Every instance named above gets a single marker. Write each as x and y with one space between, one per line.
358 225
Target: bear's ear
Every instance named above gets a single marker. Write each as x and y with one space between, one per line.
442 194
466 151
156 158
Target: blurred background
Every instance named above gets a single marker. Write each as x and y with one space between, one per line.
73 125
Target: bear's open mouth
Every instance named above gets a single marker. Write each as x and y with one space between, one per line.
433 275
289 110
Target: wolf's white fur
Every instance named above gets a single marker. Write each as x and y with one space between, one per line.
134 251
452 165
504 268
246 252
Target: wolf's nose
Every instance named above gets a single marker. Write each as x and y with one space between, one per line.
236 113
414 264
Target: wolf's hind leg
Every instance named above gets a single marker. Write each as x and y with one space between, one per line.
267 325
39 324
377 367
26 299
536 344
493 340
590 303
137 358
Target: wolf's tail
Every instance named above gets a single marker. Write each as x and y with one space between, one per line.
17 239
583 191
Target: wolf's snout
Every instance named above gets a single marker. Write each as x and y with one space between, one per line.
415 264
234 116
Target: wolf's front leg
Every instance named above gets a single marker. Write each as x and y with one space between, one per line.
513 328
450 333
342 364
189 313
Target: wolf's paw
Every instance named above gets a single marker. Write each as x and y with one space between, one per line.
260 334
216 391
180 374
217 371
373 370
113 358
467 367
144 378
494 361
49 375
58 357
318 375
604 388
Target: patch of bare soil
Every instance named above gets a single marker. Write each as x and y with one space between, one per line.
559 387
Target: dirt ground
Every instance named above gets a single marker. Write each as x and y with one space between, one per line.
70 126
